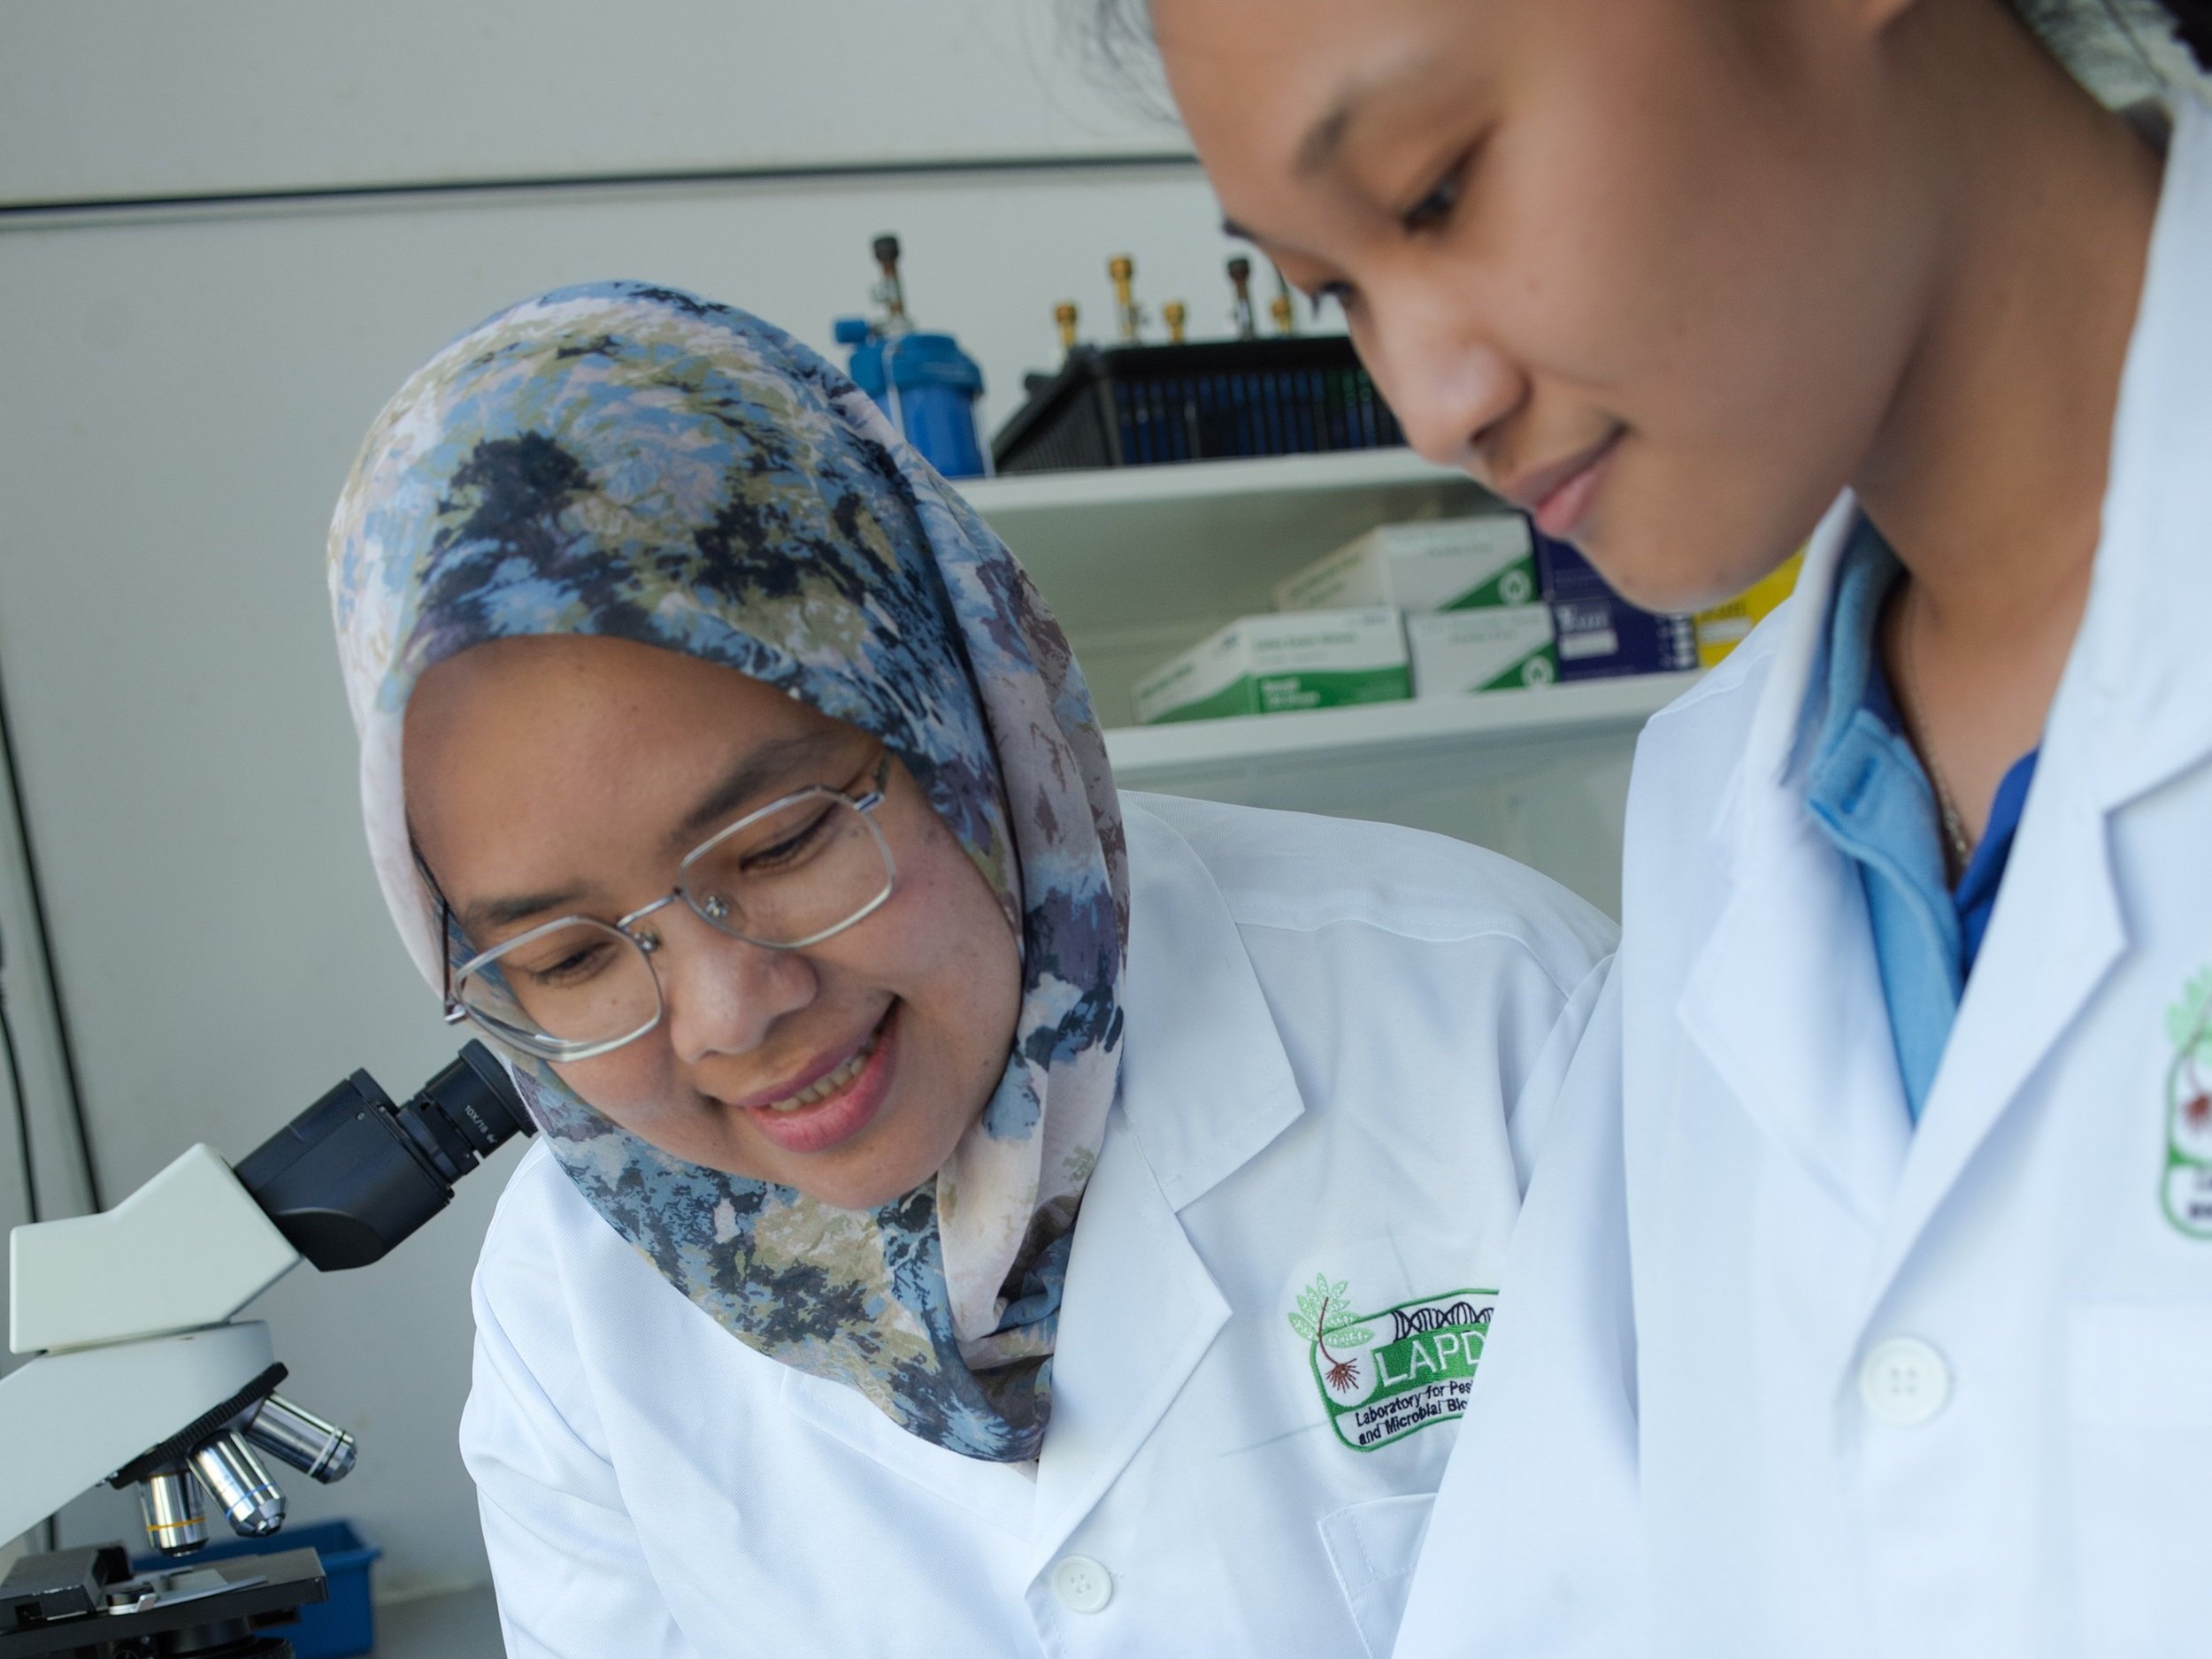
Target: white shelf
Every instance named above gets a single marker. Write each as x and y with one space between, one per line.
1132 548
1023 493
1179 751
1138 563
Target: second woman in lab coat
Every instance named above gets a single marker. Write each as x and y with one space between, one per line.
1880 1319
977 1212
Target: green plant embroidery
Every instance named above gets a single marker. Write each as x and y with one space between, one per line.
1324 1316
2186 1195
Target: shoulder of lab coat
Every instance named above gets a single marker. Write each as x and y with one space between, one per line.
553 1492
1539 1504
1534 1549
1358 937
1457 917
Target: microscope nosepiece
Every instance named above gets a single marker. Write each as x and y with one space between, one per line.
322 1450
234 1478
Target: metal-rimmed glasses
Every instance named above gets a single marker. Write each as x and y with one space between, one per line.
791 873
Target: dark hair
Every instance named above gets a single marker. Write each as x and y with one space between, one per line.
1119 32
2192 27
2084 32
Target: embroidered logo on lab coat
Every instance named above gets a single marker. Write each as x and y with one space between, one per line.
1384 1375
2187 1194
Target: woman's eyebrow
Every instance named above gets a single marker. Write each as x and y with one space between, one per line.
776 761
488 914
1318 149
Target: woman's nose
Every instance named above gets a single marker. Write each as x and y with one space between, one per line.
1446 382
721 994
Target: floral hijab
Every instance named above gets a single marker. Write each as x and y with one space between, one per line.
627 460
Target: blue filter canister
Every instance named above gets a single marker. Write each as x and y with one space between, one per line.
928 386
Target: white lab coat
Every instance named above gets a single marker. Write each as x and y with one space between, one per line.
2031 1474
1343 1041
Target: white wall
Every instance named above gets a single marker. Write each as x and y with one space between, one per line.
134 98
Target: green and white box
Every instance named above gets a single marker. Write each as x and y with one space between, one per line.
1434 565
1504 647
1279 662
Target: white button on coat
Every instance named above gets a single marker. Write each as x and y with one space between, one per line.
1313 1010
1083 1586
1904 1382
1762 1207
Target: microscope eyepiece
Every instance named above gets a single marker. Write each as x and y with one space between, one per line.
354 1174
476 1096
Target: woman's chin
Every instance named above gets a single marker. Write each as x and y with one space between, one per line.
864 1183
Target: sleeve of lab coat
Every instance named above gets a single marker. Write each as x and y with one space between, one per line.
573 1579
1534 1547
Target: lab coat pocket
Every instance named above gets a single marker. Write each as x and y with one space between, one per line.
2139 1391
1374 1547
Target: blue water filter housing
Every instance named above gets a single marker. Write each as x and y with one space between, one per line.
928 385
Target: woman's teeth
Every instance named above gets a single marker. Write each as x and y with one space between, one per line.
823 1087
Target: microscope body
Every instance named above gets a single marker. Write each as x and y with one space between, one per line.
126 1357
146 1379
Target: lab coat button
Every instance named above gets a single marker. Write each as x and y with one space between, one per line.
1904 1382
1083 1586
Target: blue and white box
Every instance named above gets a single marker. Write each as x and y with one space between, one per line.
1599 634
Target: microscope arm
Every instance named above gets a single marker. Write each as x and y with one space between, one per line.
189 1249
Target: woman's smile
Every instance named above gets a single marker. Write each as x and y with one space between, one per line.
1560 496
835 1097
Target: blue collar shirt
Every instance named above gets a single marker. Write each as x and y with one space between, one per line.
1869 792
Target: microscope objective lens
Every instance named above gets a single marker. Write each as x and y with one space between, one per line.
297 1437
237 1481
176 1522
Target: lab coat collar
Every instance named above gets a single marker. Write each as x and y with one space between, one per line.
2133 709
1783 999
1205 1087
1205 1083
2138 696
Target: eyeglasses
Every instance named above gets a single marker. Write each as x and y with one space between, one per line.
795 873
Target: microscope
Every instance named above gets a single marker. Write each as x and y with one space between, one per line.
149 1381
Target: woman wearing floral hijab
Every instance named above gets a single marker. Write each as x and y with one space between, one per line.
977 1212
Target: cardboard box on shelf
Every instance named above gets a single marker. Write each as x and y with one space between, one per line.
1430 565
1279 662
1604 639
1725 626
1497 648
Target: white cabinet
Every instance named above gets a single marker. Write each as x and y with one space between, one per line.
1138 563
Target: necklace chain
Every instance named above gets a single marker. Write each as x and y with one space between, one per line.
1957 843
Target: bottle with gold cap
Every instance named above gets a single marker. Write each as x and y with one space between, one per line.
1240 312
1282 308
1128 314
1173 315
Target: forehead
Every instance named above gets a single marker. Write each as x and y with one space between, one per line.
1248 63
574 684
1269 90
563 746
